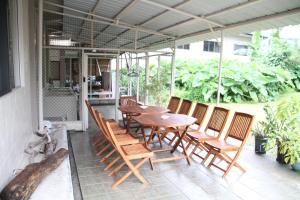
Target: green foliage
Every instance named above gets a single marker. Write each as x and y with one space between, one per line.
159 84
286 133
268 127
286 56
240 81
255 46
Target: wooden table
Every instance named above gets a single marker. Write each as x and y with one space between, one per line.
135 110
177 122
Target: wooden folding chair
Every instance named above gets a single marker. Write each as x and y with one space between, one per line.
212 131
184 109
98 140
128 153
121 136
239 131
127 101
173 104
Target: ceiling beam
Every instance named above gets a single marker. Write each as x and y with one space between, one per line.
107 34
213 14
128 8
164 12
152 19
99 19
196 17
87 16
125 10
246 22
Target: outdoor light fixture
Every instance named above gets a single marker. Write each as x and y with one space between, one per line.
61 42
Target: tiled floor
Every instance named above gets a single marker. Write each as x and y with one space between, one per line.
264 179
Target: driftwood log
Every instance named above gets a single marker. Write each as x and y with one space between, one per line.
24 184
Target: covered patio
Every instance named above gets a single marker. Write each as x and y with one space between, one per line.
264 179
68 54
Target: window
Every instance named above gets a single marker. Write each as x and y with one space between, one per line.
211 46
9 47
241 50
185 46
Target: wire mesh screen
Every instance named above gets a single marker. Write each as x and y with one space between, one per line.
62 87
70 28
159 80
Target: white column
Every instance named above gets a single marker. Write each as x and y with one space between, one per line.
40 65
220 70
138 78
158 67
90 74
146 78
117 92
173 68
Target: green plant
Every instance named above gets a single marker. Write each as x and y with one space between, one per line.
241 82
272 126
286 135
259 132
291 147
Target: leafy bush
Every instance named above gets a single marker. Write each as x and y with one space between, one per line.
286 134
284 55
240 81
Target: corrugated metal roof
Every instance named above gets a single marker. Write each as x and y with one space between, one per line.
255 16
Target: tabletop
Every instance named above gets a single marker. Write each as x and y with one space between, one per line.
165 120
137 109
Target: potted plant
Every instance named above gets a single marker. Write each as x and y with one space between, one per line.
274 132
291 150
287 118
260 139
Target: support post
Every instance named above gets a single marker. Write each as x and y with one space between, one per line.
146 78
220 69
158 67
138 78
117 87
173 68
40 64
90 74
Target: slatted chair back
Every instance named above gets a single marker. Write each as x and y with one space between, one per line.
218 120
113 139
185 107
100 123
88 105
240 126
128 101
200 113
174 104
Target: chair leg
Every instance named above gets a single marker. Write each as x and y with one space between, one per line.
228 169
115 170
102 150
189 144
172 140
112 163
151 164
134 170
99 144
206 157
212 161
108 155
194 149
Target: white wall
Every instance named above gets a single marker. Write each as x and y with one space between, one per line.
18 112
196 50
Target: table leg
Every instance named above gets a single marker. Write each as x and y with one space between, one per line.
144 134
128 124
183 147
152 134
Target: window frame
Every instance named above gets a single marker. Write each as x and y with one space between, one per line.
211 46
